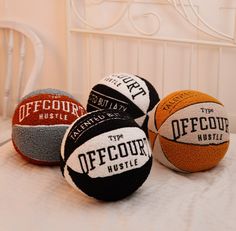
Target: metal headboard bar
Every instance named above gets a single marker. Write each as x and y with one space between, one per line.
161 39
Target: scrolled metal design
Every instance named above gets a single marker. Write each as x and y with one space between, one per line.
157 23
126 10
180 7
105 27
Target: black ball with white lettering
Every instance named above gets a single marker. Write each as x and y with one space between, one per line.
124 92
106 155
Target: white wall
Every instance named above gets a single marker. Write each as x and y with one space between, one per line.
47 19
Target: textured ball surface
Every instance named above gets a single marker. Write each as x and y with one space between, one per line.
191 131
39 124
124 92
106 155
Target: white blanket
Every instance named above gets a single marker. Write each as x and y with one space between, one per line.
38 198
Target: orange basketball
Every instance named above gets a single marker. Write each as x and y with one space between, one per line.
190 132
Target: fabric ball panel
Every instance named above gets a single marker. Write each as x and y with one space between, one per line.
109 159
192 131
39 123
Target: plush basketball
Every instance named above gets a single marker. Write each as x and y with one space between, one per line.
124 92
39 123
192 131
105 155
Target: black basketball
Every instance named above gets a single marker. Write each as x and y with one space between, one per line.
106 155
124 92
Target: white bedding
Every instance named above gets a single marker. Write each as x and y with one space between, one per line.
38 198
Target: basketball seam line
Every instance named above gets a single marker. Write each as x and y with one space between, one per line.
40 125
168 158
192 143
155 117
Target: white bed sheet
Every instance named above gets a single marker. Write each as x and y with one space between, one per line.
38 198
